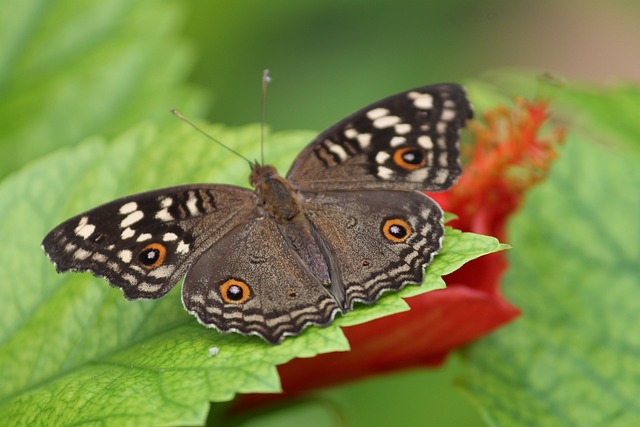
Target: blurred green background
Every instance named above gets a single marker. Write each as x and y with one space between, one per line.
327 59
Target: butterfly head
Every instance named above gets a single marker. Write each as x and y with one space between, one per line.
260 174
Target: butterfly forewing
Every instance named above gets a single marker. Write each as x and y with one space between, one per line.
408 141
145 243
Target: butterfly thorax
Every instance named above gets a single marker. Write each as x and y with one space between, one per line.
276 195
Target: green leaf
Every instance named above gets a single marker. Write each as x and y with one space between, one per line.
73 347
71 69
572 358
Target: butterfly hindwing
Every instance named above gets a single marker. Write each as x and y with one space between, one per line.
252 282
379 240
407 141
145 243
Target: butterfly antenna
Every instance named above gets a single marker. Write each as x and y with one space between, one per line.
184 119
266 79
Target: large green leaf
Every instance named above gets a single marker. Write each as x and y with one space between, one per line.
573 358
75 351
70 69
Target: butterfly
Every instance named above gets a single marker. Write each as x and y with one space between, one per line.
346 224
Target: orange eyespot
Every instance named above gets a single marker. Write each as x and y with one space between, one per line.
152 255
234 291
409 158
396 230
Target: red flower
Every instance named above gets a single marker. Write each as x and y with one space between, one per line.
507 157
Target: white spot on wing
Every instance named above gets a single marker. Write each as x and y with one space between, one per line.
337 150
162 272
127 208
386 121
148 287
182 248
397 140
384 172
442 159
191 204
164 215
448 114
364 139
81 254
125 255
441 177
418 175
166 202
382 157
132 218
170 237
129 278
425 142
402 128
127 233
350 133
86 230
144 237
377 113
422 101
99 257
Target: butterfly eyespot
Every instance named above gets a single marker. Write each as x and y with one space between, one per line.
409 158
365 263
234 291
152 255
396 230
292 293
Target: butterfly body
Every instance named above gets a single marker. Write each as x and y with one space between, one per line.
347 223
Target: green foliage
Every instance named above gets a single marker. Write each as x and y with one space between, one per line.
572 358
71 69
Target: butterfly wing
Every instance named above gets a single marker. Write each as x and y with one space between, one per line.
145 243
377 241
407 141
252 282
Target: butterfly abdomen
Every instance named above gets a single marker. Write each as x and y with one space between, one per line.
282 202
